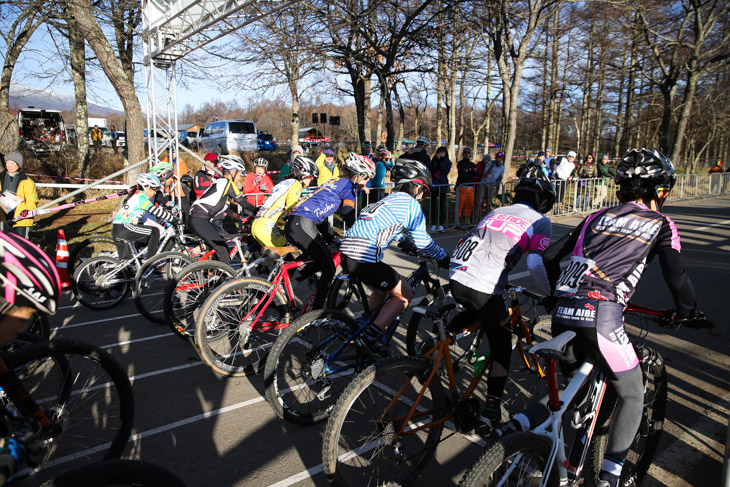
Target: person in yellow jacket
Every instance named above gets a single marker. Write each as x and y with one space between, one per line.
96 136
327 167
285 195
15 184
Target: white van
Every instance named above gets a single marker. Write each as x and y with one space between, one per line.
226 136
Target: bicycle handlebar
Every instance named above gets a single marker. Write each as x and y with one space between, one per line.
669 319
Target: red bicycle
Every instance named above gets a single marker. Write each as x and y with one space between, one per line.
239 321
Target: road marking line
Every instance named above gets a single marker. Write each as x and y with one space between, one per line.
706 227
138 340
65 326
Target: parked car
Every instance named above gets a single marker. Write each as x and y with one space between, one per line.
41 130
189 139
226 136
160 135
266 141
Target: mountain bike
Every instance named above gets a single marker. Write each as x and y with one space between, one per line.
240 320
62 401
388 422
315 358
543 457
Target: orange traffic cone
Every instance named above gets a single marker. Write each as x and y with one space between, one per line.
62 259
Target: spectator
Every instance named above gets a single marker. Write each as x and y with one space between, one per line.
550 162
258 184
114 138
383 164
587 172
493 174
418 153
479 196
177 188
327 167
439 167
467 172
367 149
603 171
204 177
716 168
540 161
296 151
20 193
96 136
563 173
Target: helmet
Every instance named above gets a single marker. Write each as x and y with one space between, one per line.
644 172
147 180
366 143
500 154
260 162
357 164
211 157
381 148
28 275
231 163
422 140
304 167
535 181
407 171
163 170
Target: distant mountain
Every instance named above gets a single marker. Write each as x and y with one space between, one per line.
22 96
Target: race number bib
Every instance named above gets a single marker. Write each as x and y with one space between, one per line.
571 276
465 250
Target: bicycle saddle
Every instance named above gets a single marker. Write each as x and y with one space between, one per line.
280 252
555 348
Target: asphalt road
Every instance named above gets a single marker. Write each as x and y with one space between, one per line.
217 431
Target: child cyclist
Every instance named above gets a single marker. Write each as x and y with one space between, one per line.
480 267
378 225
214 203
302 227
258 184
284 196
128 223
609 252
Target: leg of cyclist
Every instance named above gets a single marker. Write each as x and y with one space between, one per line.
206 230
143 234
302 232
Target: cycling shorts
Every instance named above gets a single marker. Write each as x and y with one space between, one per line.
378 275
600 333
267 233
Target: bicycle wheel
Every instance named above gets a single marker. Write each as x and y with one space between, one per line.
86 395
363 443
645 443
97 245
117 473
151 281
515 460
236 328
101 282
300 386
344 296
38 325
187 292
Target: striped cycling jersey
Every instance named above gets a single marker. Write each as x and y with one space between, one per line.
384 221
483 259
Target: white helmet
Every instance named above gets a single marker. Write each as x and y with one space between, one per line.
231 163
422 140
260 162
148 180
357 164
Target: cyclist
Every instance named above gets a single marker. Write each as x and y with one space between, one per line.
258 182
480 267
377 227
214 203
30 283
302 227
165 171
609 252
283 197
130 221
205 177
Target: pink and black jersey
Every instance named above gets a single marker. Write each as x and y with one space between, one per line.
484 258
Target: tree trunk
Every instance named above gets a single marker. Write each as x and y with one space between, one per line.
77 51
123 85
379 127
554 110
295 118
689 93
367 92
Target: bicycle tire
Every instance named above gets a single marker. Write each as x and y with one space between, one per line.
187 292
39 326
89 248
641 453
520 447
151 281
344 296
298 387
76 384
85 288
218 328
356 427
117 473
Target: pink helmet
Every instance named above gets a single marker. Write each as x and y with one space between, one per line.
28 275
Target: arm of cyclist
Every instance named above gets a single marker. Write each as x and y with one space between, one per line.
536 247
668 250
557 251
158 212
416 228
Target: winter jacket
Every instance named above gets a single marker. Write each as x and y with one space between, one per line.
26 191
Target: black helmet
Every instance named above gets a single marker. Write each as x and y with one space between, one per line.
534 181
407 171
304 167
641 173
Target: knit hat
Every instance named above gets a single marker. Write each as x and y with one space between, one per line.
541 154
572 154
329 152
16 157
